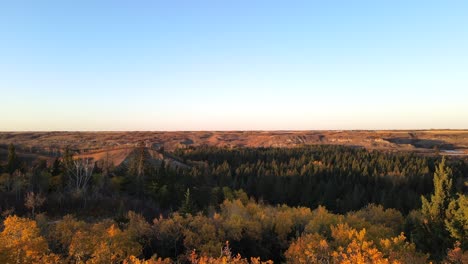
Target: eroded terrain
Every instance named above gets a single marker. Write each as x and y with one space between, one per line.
117 145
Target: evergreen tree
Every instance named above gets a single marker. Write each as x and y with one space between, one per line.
56 167
13 161
138 170
434 210
187 205
456 221
435 237
67 165
67 159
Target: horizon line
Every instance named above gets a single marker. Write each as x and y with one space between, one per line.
229 130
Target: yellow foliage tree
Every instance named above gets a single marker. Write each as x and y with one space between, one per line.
350 246
310 248
114 246
203 235
397 249
225 258
358 251
170 230
103 243
63 231
21 242
153 260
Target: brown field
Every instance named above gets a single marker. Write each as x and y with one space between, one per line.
117 145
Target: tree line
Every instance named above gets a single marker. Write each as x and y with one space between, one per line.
311 204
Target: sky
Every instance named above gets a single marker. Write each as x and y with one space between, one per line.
233 65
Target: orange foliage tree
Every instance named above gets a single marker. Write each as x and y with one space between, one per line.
225 258
21 242
104 242
348 246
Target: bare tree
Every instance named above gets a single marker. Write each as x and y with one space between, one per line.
33 201
79 173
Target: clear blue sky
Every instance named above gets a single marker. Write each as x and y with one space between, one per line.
222 65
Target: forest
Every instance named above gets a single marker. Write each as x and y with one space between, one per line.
308 204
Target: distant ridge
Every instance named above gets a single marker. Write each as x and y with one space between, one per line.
119 144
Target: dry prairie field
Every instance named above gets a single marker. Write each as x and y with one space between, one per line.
422 141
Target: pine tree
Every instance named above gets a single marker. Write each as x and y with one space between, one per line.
187 205
435 237
56 167
456 221
137 169
434 210
67 159
13 161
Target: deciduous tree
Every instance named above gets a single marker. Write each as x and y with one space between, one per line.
21 242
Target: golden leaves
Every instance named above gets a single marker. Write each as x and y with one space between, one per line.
350 246
21 242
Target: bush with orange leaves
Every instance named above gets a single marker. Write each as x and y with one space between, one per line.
358 251
350 246
225 258
153 260
456 255
309 248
